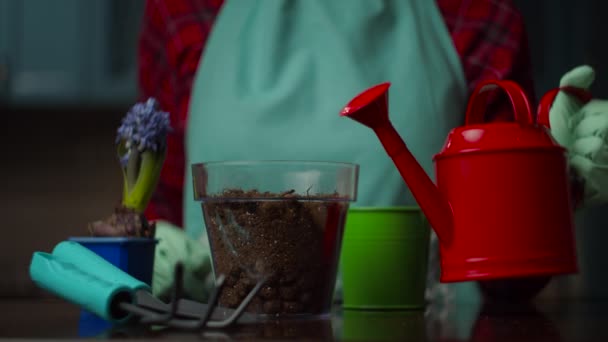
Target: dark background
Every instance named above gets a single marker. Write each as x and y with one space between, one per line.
67 76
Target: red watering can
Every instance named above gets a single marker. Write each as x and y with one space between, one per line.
501 206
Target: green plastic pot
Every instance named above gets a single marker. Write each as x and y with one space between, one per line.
384 258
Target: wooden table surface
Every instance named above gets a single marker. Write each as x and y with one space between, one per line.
543 321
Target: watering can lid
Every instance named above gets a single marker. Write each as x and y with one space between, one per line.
477 136
495 137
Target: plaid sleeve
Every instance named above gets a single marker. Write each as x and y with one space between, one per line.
170 44
490 38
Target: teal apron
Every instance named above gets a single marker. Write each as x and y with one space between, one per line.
275 75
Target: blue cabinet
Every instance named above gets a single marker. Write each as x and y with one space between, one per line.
68 52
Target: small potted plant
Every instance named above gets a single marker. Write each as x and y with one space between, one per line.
126 238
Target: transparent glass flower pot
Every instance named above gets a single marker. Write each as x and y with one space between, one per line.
280 221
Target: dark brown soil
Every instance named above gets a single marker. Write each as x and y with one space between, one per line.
291 241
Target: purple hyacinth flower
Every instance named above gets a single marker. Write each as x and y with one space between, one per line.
145 128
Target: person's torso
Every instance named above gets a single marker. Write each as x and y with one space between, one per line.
274 76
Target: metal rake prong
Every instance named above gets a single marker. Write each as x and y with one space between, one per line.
204 318
205 323
175 296
239 310
213 298
171 318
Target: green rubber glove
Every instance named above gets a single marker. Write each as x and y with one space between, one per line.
582 129
565 111
175 245
589 151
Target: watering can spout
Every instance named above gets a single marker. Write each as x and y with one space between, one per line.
370 108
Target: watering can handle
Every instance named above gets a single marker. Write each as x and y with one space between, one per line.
476 108
544 107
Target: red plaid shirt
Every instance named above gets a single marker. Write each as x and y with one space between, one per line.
488 35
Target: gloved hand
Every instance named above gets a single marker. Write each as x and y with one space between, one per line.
175 245
582 129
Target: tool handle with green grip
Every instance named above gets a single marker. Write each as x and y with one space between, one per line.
73 252
93 293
